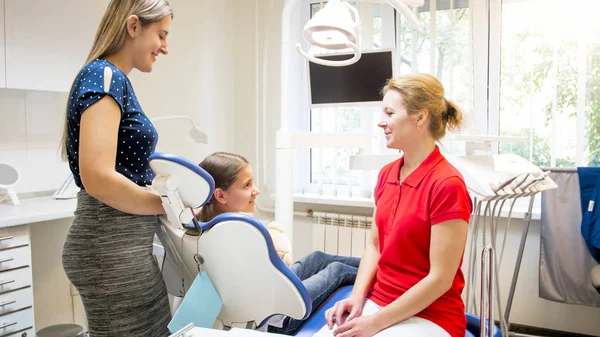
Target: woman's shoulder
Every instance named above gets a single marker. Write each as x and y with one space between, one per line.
99 70
448 170
447 174
101 77
97 79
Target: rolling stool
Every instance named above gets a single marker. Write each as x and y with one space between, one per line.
62 330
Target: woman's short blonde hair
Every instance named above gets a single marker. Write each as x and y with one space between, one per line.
425 92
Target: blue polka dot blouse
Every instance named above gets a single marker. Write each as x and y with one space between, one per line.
137 136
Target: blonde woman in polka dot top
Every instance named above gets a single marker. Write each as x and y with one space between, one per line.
107 140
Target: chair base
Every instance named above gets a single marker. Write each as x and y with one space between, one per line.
61 330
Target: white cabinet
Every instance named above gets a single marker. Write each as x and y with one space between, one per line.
47 41
16 293
2 53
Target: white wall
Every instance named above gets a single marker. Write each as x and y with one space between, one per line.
29 135
264 58
258 86
196 78
247 84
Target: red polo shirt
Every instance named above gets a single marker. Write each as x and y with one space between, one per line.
433 193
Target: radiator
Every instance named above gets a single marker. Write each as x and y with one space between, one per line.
340 234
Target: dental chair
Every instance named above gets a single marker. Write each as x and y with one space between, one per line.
235 251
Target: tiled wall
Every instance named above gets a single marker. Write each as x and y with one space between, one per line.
30 132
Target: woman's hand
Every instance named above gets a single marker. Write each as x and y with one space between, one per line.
352 307
363 326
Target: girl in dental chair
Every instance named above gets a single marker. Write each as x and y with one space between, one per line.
322 274
409 281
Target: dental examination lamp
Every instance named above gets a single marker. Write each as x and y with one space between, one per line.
402 6
66 189
196 134
334 28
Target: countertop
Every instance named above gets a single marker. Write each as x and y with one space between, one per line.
33 210
235 332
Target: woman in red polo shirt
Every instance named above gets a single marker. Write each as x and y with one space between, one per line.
409 282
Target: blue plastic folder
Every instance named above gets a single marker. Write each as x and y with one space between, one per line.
201 305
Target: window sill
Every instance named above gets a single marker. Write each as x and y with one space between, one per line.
518 212
329 200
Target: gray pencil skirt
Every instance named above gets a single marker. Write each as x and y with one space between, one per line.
108 257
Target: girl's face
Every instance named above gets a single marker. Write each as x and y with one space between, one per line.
240 196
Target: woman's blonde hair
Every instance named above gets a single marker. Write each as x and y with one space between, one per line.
224 167
112 33
424 91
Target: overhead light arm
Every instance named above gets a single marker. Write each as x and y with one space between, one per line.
402 6
328 63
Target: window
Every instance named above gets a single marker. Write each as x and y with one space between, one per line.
532 69
550 81
443 48
330 173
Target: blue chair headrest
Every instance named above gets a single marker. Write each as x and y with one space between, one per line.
194 185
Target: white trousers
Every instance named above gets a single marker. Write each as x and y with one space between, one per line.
413 326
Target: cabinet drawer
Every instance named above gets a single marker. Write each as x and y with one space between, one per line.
14 258
13 237
21 333
15 279
16 321
16 300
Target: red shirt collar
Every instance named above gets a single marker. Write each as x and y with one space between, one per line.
415 178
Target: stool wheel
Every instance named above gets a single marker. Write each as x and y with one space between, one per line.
61 330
